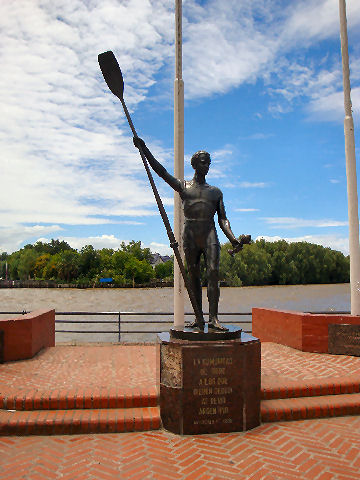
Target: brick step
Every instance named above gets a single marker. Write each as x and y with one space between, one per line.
60 422
79 399
273 388
310 407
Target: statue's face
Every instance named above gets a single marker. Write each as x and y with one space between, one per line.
202 164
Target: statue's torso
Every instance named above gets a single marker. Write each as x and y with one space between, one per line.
200 201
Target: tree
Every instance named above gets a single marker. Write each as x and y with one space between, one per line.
260 263
68 267
119 259
165 270
134 248
53 247
13 262
40 265
51 270
105 255
251 266
138 271
89 262
26 264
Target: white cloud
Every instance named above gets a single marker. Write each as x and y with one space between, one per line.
230 43
246 210
223 46
12 237
258 136
253 184
67 156
331 106
63 157
292 222
98 242
314 20
161 248
108 241
332 241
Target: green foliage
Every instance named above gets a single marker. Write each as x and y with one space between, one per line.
134 248
26 264
40 264
138 271
89 261
260 263
69 265
51 269
53 247
251 266
165 270
282 263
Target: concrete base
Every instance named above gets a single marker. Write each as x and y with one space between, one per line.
304 331
209 387
26 335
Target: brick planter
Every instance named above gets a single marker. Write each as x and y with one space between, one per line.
26 335
304 331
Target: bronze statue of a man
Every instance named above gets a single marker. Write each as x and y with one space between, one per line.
200 203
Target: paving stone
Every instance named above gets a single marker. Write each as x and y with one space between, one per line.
284 450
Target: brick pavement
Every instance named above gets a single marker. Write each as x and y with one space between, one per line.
120 380
88 366
326 449
103 366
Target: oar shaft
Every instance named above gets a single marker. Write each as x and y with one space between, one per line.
128 117
173 243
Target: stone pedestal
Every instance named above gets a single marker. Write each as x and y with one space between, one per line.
209 386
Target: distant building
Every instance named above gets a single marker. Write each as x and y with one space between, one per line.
156 259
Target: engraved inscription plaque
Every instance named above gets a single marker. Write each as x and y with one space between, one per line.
209 387
344 339
211 394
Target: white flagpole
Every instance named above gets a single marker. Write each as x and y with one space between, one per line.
350 169
178 165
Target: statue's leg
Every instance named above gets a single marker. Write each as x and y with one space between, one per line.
213 290
192 256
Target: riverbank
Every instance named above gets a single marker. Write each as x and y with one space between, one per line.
49 284
333 297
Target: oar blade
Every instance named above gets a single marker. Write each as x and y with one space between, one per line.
112 73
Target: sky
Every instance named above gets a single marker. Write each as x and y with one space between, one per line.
263 94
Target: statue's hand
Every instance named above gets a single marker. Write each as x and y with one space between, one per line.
245 239
238 244
139 143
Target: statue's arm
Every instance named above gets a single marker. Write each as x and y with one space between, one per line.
224 222
157 167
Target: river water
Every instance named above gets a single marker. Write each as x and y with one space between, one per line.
232 299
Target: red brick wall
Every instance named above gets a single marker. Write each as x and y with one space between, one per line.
315 330
277 326
26 335
303 331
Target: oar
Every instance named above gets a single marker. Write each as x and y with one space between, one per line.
114 79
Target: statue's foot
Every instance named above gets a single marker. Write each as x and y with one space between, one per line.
214 324
196 326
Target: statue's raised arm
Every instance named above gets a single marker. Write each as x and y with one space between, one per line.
157 167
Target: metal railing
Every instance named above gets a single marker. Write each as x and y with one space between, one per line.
120 322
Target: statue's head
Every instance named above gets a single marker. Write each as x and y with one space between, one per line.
201 160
